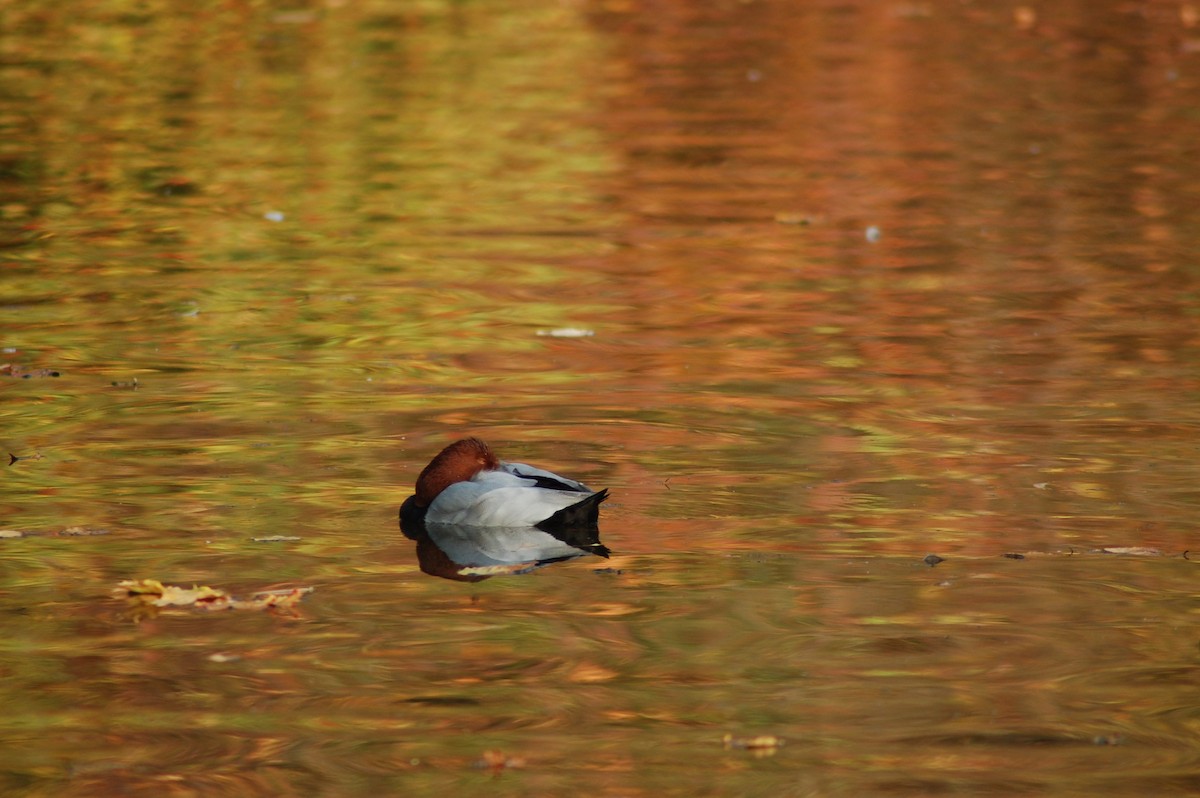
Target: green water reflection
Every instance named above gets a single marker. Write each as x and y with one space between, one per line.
280 255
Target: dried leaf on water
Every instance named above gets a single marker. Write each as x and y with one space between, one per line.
154 593
275 599
1128 551
13 370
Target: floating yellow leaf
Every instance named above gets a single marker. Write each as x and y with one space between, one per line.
154 593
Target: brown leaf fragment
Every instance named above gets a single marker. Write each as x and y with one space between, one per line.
932 560
274 599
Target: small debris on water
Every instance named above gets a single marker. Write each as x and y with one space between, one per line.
497 761
131 385
13 459
763 744
81 532
1108 739
789 217
276 539
274 216
1012 555
873 234
932 560
567 332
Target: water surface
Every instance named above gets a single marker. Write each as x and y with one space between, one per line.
846 285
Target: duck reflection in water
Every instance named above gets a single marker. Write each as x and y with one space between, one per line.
475 516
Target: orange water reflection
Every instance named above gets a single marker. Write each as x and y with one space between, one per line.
327 240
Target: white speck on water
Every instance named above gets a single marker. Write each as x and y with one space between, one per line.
567 332
274 216
873 234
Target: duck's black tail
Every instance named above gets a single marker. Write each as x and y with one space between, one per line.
577 525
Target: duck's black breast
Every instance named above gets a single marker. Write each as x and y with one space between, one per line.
412 517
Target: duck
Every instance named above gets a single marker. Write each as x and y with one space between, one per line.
466 484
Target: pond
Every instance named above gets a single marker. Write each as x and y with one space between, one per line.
814 290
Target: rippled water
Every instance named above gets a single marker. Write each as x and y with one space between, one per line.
815 290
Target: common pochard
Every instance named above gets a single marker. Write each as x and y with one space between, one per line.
467 485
